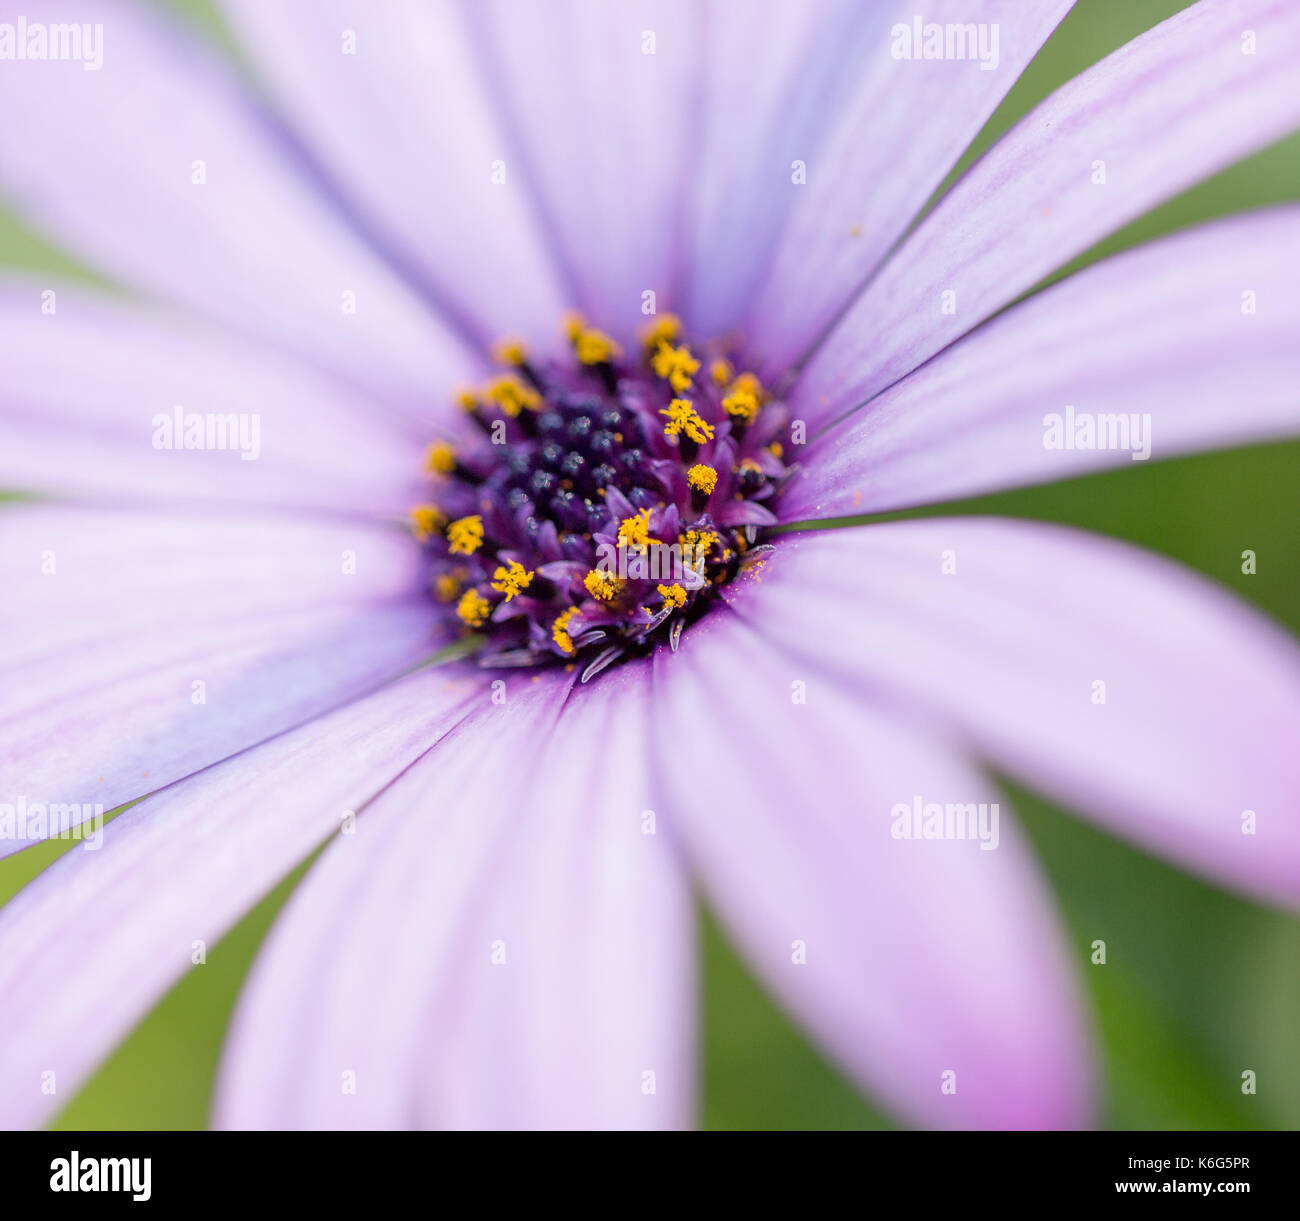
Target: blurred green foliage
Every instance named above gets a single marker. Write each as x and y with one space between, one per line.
1199 984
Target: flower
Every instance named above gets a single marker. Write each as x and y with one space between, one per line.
499 930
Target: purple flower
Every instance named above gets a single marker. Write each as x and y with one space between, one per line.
500 928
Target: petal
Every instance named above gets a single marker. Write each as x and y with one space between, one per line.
89 390
1159 335
178 868
501 945
1172 107
1201 693
256 244
601 121
389 98
871 163
136 649
908 960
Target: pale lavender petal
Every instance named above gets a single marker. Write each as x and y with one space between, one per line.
776 72
136 648
1175 105
602 124
906 959
1191 340
876 142
388 95
500 945
256 244
89 404
171 875
1112 680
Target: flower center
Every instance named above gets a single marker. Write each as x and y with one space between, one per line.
603 500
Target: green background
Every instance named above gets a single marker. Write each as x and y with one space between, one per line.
1199 985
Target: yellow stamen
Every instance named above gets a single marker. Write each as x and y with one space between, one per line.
465 535
776 449
702 478
512 396
560 629
682 417
426 521
447 586
594 348
509 352
574 324
601 586
676 364
473 608
511 580
696 545
673 594
741 405
635 531
467 400
664 329
721 372
440 458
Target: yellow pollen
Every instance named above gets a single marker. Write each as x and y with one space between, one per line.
441 458
509 352
741 404
560 629
682 417
748 464
601 586
512 580
447 586
696 545
676 364
721 372
751 385
594 348
465 535
426 521
473 608
673 594
776 449
466 400
702 478
664 329
574 324
512 396
635 531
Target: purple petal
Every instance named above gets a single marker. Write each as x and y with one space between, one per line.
256 245
876 145
906 959
88 389
135 649
404 122
1170 108
1191 754
512 844
602 137
1159 335
179 869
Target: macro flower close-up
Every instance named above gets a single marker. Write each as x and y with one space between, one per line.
485 472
